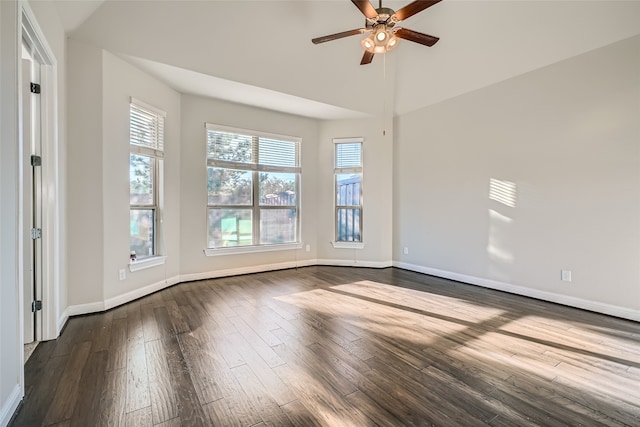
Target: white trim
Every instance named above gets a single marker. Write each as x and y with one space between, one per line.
347 245
354 263
11 404
146 106
348 140
258 133
598 307
95 307
51 208
252 249
140 292
246 270
145 263
62 320
92 307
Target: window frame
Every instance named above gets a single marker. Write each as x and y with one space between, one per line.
347 244
255 207
156 156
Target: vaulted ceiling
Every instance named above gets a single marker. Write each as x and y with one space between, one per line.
260 53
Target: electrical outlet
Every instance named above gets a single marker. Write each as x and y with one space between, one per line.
308 248
122 274
405 250
565 275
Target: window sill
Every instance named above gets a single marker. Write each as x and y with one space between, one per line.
145 263
348 245
252 249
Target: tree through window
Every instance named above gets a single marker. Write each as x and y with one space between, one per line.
253 185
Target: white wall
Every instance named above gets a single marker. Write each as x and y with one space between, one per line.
121 81
377 150
10 340
99 98
567 137
196 111
85 210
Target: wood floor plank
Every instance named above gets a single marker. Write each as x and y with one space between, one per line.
41 382
164 405
327 407
376 413
90 386
336 346
190 411
102 339
220 414
256 342
269 410
66 395
118 345
331 370
177 319
150 330
113 399
299 415
202 367
137 375
140 418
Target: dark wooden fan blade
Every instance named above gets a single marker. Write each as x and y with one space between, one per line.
413 8
417 37
366 8
367 57
337 36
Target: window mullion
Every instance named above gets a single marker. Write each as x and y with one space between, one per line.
256 208
257 155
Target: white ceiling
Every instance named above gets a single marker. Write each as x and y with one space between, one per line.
260 53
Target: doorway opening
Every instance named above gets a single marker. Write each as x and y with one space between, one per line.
39 188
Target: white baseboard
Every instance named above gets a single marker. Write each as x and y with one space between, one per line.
10 405
92 307
354 263
598 307
245 270
139 293
62 320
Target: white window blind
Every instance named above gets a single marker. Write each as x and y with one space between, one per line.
348 155
275 152
146 127
264 151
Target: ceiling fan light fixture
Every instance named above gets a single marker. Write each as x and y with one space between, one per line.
380 41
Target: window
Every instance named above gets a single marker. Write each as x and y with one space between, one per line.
348 189
146 134
253 188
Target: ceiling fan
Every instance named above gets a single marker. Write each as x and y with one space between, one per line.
380 25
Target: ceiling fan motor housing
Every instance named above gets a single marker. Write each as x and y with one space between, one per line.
384 13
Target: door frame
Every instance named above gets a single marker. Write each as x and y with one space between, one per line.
53 317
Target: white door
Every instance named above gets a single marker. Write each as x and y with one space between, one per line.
32 198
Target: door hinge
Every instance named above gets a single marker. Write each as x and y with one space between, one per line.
36 306
36 161
35 88
36 233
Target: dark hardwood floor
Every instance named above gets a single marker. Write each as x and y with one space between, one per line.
336 346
